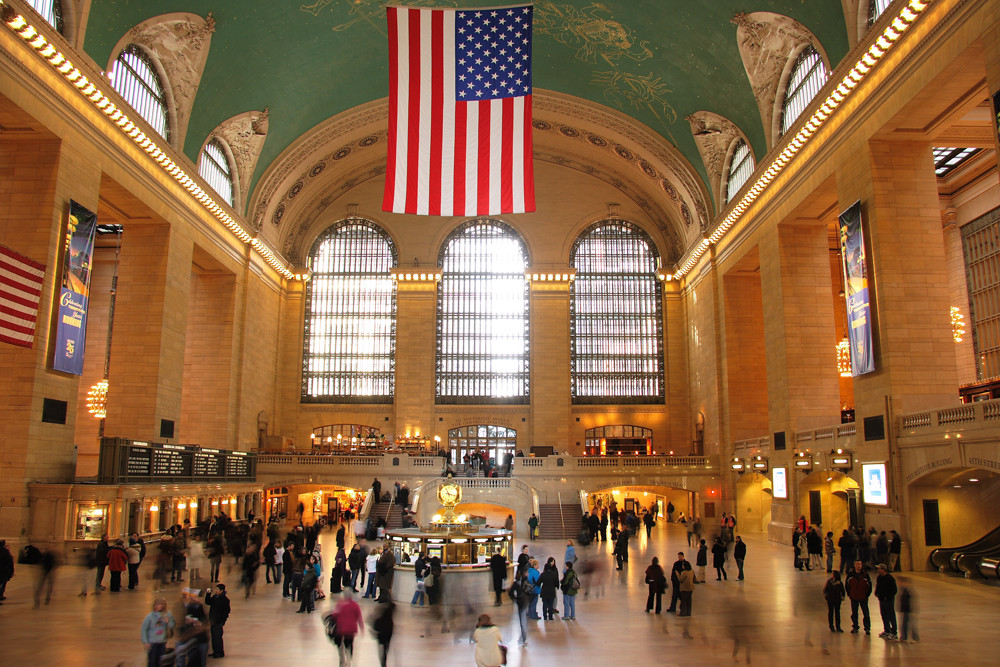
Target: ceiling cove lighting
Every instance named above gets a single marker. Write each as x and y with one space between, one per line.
910 12
60 64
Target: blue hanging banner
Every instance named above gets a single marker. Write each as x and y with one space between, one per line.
855 273
71 329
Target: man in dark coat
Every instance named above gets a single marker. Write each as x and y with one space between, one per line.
859 589
739 555
621 548
6 569
675 580
218 614
101 558
384 573
498 568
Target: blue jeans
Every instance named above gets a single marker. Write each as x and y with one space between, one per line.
354 579
418 595
533 607
522 618
370 591
569 602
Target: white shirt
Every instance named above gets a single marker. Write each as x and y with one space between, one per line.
371 562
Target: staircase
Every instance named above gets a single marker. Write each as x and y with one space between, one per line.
393 515
553 526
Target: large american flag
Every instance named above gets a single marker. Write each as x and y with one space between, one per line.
20 293
459 111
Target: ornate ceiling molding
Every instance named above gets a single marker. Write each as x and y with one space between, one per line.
767 42
714 136
180 42
245 135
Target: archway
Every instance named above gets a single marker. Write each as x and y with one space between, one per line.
753 502
823 500
950 507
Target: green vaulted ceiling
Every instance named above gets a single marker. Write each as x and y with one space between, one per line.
655 60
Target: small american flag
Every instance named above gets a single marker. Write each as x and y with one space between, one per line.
20 293
459 111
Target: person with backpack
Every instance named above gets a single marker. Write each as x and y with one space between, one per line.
570 586
520 592
657 583
532 526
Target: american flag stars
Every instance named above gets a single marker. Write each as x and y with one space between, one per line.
494 53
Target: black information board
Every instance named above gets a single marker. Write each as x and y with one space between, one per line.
170 463
237 466
124 460
207 465
138 461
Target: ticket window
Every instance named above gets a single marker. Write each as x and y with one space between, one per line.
91 521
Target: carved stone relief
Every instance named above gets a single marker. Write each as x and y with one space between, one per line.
180 42
713 135
766 42
245 135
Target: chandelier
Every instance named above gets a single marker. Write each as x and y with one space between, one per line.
957 324
844 358
97 400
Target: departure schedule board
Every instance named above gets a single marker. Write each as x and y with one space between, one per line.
134 461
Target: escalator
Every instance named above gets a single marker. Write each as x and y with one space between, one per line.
979 558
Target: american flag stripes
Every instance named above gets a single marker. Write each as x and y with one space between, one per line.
20 293
459 111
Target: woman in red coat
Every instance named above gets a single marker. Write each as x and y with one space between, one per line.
117 563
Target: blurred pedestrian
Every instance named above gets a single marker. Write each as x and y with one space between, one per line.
686 585
156 628
347 617
520 592
498 570
101 559
908 610
383 626
46 577
489 642
701 561
834 593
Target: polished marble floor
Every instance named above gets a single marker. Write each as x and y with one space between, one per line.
777 616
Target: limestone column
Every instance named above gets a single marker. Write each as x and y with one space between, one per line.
416 345
147 349
905 247
549 365
680 432
799 329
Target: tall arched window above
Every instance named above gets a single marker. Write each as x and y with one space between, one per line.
807 77
350 325
741 166
482 354
214 168
51 11
616 316
875 9
134 76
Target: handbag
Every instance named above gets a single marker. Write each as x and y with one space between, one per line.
503 654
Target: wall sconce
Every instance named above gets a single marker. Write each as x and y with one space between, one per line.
841 460
759 464
154 508
194 504
738 465
181 506
803 461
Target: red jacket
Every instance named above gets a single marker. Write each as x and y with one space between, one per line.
117 559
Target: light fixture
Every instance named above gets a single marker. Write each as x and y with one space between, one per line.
957 324
181 506
97 400
154 508
194 504
973 479
738 465
844 357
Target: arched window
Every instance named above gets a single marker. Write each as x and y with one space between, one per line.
875 9
498 442
740 168
807 77
214 168
134 77
350 323
51 11
482 352
616 316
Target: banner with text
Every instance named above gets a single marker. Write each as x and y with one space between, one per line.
855 273
71 328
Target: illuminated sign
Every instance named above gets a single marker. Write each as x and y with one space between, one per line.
875 484
779 481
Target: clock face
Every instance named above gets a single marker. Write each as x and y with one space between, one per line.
449 494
